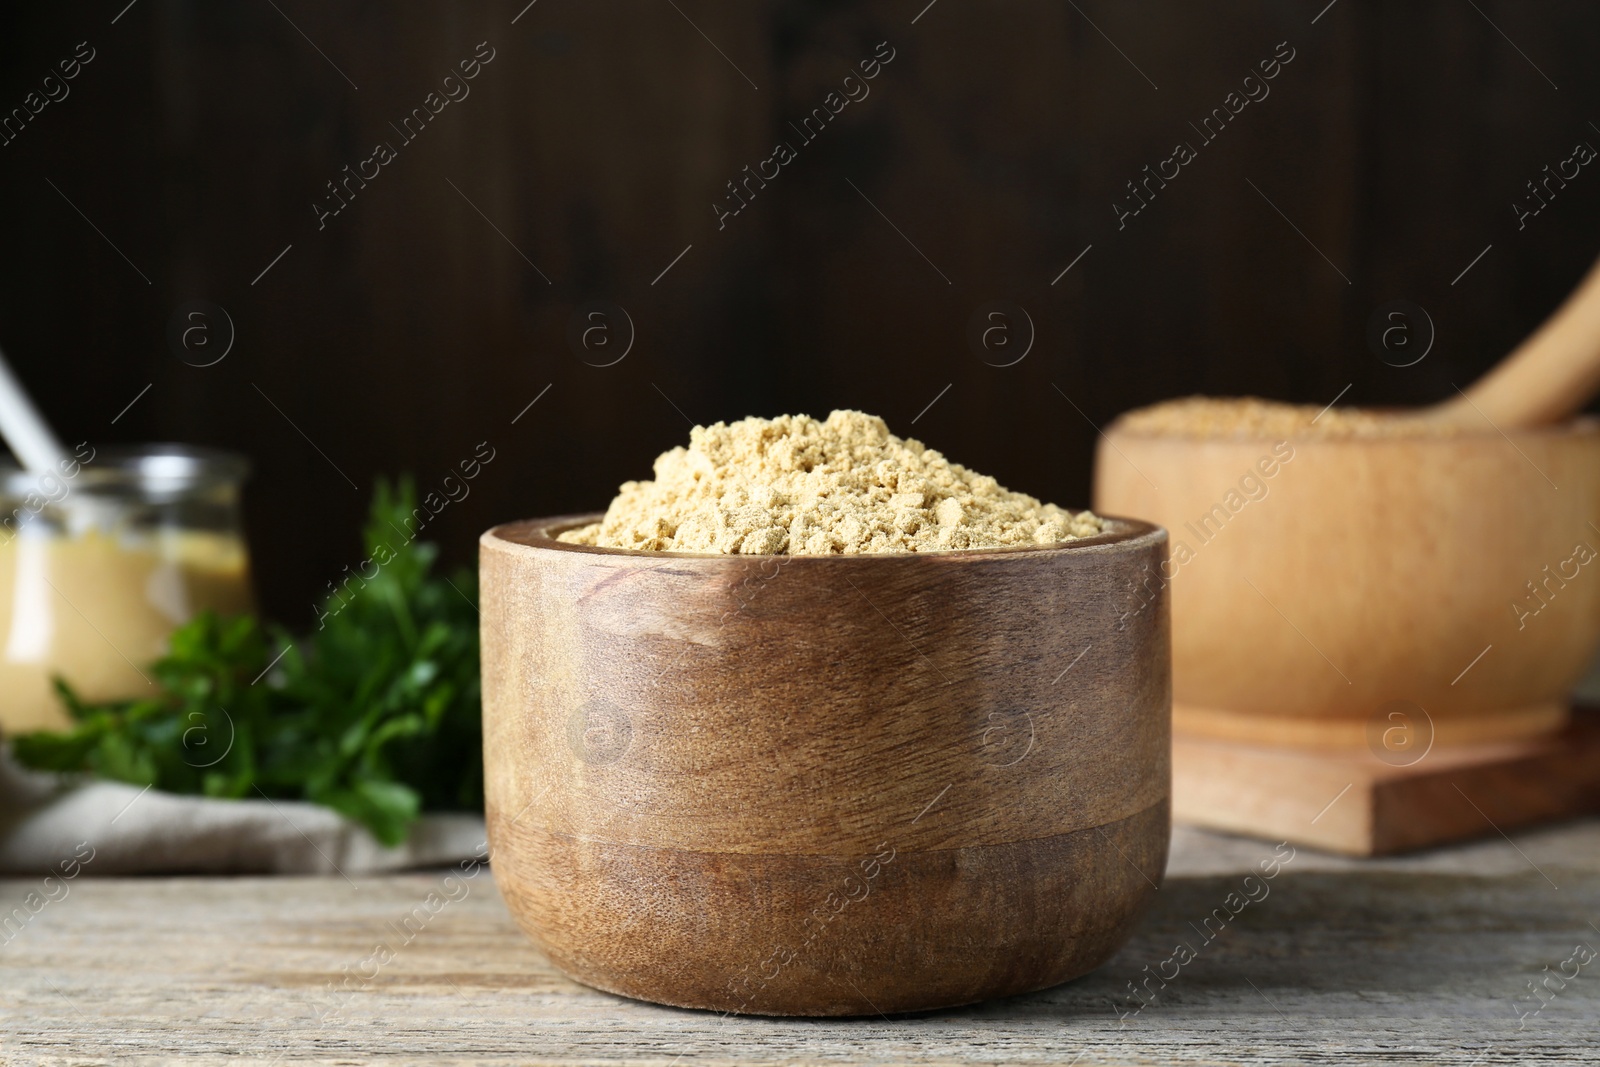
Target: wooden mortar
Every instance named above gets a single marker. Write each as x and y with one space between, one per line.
801 785
1371 571
1452 573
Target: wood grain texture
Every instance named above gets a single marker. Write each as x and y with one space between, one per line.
1358 804
729 931
695 763
1415 960
1365 572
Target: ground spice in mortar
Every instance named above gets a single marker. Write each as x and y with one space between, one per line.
1206 416
803 487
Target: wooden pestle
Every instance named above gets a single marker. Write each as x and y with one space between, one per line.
1549 377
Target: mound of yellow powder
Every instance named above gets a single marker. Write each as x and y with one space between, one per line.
1207 416
799 486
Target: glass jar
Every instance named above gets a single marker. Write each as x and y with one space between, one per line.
100 559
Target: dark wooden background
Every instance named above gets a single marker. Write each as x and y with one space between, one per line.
408 330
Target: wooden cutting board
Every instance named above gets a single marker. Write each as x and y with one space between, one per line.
1358 804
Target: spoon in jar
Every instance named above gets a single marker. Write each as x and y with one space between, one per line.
30 438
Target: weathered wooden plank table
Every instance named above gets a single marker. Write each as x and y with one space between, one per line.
1423 959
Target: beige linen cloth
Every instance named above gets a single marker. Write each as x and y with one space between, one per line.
46 819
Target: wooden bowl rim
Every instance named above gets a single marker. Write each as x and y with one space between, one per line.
538 535
1576 427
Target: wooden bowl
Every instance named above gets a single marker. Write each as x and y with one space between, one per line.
800 785
1318 581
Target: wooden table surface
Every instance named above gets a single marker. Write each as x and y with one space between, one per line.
1417 959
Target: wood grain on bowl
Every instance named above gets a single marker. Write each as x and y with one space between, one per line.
826 785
